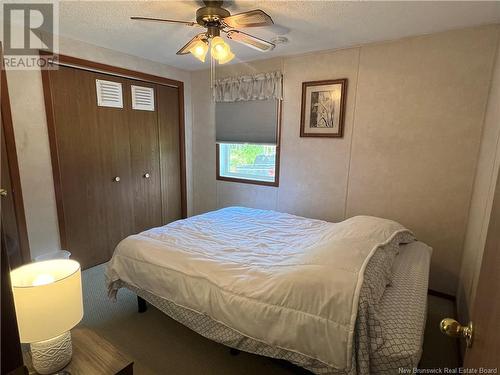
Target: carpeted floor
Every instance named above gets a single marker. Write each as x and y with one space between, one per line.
160 345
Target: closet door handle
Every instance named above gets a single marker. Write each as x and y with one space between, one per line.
116 179
146 175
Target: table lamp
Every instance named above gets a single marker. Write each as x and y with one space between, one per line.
48 302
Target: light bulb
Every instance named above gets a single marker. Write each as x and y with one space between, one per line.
43 279
220 49
199 50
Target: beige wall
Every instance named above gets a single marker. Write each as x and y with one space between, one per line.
30 127
414 117
207 192
482 199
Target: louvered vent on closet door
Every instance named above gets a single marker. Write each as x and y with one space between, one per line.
109 94
143 98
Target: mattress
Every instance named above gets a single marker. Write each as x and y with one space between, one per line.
405 300
298 285
279 278
403 311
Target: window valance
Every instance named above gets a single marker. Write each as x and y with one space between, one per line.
262 86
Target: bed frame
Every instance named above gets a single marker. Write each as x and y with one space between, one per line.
141 305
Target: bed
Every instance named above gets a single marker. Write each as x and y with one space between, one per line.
328 297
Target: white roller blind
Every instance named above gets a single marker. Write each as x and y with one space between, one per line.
253 121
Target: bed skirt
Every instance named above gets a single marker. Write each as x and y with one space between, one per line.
218 332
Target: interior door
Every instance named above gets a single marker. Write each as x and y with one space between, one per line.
13 222
485 349
92 154
10 233
144 158
116 168
11 354
481 333
115 145
169 125
13 234
80 164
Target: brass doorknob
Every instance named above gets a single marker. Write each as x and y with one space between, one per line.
453 328
3 193
116 179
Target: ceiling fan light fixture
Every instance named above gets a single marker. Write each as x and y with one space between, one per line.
199 50
216 20
228 58
220 49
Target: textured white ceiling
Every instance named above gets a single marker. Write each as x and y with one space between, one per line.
309 25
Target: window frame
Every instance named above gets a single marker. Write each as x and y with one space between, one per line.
276 181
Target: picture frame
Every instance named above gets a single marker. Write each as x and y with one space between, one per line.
323 108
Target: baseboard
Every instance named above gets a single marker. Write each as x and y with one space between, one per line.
447 296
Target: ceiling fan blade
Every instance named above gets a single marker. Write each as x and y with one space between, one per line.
250 40
187 23
252 18
185 50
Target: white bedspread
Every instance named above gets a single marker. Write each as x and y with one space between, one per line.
288 281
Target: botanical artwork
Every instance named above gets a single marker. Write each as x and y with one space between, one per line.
323 105
323 108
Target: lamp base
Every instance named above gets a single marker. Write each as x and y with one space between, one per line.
51 355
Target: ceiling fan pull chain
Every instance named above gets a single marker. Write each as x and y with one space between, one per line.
212 77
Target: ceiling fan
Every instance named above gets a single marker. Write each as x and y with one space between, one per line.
218 20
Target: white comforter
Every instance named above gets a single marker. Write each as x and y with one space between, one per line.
285 280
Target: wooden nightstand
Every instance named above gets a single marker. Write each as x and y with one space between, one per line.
92 355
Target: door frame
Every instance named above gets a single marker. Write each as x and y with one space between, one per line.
78 63
12 161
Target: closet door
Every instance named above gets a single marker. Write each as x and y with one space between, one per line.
83 176
169 125
141 104
116 160
93 158
115 148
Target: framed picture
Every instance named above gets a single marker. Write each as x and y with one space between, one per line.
323 108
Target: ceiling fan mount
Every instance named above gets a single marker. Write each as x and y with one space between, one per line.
212 14
217 20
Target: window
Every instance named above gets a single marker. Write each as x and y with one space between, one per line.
248 161
248 141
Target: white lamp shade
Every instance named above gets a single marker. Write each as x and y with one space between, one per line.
47 298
